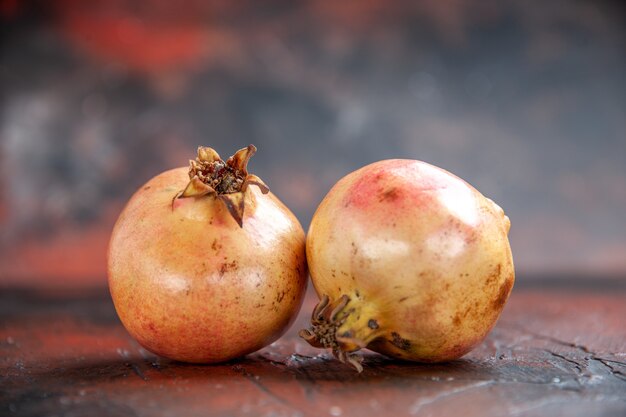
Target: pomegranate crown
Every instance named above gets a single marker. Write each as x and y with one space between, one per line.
228 181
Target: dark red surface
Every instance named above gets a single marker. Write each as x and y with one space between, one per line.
555 351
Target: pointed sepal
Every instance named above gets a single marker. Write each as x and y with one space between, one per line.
311 338
196 188
235 204
239 161
252 179
206 154
351 359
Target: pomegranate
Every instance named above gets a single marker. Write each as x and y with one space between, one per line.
204 267
410 261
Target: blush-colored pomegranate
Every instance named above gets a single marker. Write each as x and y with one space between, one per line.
205 264
410 261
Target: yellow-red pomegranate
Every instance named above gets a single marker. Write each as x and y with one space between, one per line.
410 261
205 264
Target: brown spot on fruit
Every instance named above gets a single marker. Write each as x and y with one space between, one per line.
391 194
471 237
503 294
494 276
372 324
399 342
228 266
457 320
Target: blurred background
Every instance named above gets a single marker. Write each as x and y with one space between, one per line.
524 100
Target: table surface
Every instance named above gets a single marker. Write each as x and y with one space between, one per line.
557 351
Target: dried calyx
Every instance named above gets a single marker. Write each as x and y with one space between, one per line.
343 328
209 175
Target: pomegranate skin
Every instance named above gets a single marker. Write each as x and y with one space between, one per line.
421 255
190 284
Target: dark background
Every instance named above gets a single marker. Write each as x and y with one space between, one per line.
524 100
